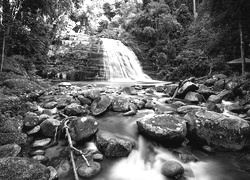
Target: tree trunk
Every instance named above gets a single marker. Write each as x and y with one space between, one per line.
194 9
3 55
242 49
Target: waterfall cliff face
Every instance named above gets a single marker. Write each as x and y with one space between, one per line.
121 63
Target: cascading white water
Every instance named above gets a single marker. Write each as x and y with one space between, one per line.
121 63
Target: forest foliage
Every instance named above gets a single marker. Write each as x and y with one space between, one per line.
170 41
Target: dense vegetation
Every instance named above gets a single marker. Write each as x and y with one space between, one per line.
172 39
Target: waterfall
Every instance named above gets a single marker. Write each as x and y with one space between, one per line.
121 63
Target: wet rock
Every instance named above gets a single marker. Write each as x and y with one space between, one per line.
50 105
186 87
204 90
149 90
17 168
100 105
83 128
219 76
64 101
194 97
48 127
132 110
179 103
163 127
31 120
84 101
89 171
160 88
112 145
223 95
219 85
34 130
9 150
63 169
91 94
188 108
139 103
172 169
75 109
221 132
10 138
185 156
41 142
32 106
120 104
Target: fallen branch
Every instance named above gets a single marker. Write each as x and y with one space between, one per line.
72 148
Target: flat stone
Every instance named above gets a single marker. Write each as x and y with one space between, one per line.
35 130
89 171
120 104
100 105
189 108
41 142
64 84
42 159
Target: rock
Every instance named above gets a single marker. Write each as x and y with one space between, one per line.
132 111
53 173
63 169
89 171
172 169
194 97
160 88
91 94
150 104
64 84
213 107
139 103
84 101
63 101
235 107
10 138
42 159
34 130
129 90
11 125
100 105
112 145
48 127
204 90
9 150
210 82
43 117
163 127
185 157
186 87
223 95
149 91
83 128
31 120
75 109
41 142
50 105
219 85
17 168
179 103
97 157
32 106
188 108
38 152
219 76
208 149
170 89
248 113
221 132
120 104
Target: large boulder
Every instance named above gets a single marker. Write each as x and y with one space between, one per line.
163 127
113 145
17 168
91 94
120 104
9 138
100 105
221 132
83 128
75 109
